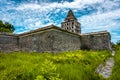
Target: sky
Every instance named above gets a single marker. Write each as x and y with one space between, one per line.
94 15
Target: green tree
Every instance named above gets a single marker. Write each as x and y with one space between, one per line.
1 24
6 27
118 42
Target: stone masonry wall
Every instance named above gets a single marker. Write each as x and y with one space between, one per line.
49 40
64 41
99 41
8 42
52 39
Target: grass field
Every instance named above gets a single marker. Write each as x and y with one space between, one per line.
77 65
116 69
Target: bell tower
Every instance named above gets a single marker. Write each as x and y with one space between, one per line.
71 24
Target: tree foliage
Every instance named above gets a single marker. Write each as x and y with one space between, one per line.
118 42
6 27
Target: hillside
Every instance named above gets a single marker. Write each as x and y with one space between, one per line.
77 65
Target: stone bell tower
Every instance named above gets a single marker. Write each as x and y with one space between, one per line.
71 24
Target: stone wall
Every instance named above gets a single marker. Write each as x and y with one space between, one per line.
52 38
64 41
96 41
49 40
39 42
8 42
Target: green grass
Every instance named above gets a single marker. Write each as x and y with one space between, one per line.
116 69
77 65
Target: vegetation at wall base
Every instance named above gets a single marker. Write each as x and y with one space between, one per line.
72 65
116 69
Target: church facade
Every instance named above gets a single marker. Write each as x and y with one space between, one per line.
51 38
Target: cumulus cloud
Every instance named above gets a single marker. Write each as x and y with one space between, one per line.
101 21
94 15
75 4
28 6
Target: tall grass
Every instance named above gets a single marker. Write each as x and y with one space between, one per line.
77 65
116 69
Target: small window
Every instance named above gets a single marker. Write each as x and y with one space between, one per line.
67 23
72 26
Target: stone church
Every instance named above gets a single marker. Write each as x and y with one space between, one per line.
51 38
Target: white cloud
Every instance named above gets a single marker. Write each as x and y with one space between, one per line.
28 6
33 15
38 24
75 4
88 1
104 21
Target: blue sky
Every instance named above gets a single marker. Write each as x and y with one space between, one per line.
94 15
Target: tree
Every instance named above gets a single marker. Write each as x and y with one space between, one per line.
118 42
1 24
6 27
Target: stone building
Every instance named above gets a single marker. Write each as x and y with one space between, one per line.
52 38
71 24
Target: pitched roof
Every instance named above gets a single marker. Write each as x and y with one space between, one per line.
70 15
